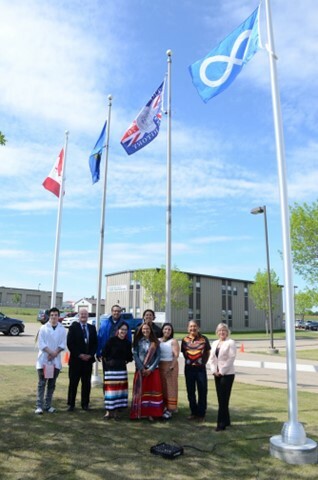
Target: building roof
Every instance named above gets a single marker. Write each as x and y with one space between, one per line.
92 301
182 271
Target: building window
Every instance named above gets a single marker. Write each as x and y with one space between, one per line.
229 302
191 301
198 298
246 298
234 291
131 297
223 295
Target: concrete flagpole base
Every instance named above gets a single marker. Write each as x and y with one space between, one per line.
273 351
293 446
96 380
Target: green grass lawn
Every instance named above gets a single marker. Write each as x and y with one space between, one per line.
308 354
81 445
28 315
300 354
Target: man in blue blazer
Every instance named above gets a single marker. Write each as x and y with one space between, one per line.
82 344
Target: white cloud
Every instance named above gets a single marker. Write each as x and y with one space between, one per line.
59 60
47 62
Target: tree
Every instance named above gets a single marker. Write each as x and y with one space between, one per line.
154 282
259 292
2 139
305 301
304 240
16 298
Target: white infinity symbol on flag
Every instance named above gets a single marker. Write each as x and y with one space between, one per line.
231 60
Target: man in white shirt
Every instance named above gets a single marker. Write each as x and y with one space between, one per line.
51 342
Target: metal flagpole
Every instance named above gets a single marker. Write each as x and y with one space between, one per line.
96 379
58 227
292 445
168 206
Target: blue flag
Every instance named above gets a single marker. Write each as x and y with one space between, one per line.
219 68
146 125
96 155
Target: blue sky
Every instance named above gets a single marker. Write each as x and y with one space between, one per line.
59 61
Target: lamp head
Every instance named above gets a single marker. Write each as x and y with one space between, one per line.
257 210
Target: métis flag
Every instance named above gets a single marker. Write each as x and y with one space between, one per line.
219 68
146 125
54 180
96 155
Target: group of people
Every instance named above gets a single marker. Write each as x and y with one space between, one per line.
155 352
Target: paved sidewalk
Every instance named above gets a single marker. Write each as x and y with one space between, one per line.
259 368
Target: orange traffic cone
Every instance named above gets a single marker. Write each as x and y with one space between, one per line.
242 348
66 357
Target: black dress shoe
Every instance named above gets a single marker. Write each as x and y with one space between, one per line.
85 407
70 409
220 429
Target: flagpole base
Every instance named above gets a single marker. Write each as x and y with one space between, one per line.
96 380
293 454
273 350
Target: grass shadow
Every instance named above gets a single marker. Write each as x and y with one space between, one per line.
81 445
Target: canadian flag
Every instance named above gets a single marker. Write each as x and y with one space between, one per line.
54 180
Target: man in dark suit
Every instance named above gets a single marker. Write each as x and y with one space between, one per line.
82 344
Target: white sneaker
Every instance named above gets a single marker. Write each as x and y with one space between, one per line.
167 415
38 411
51 410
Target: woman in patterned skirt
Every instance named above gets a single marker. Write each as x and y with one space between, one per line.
147 401
116 354
169 369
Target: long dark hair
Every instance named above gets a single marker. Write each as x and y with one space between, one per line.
167 325
138 335
149 310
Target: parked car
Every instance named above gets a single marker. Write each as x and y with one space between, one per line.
314 326
67 321
43 316
132 322
300 324
308 325
11 326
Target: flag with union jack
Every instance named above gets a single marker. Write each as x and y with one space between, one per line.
146 125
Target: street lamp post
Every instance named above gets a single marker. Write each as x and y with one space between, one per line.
295 286
256 211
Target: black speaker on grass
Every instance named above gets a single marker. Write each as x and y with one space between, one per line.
166 450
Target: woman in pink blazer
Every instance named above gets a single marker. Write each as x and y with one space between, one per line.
223 353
